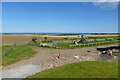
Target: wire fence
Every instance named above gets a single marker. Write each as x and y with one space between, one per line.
94 44
9 50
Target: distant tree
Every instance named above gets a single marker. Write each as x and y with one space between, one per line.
5 33
45 38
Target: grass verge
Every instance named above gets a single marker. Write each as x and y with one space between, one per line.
18 53
87 69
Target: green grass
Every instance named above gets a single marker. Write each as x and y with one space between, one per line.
97 43
64 45
4 48
88 69
18 53
103 37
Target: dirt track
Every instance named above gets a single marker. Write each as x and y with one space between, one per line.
45 56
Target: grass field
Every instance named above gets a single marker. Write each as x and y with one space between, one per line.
18 53
67 43
91 69
90 44
5 48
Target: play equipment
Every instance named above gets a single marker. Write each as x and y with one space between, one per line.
75 42
83 39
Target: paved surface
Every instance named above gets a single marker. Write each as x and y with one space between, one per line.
21 71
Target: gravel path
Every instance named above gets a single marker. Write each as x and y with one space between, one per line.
46 58
21 71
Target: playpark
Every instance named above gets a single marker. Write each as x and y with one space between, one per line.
60 55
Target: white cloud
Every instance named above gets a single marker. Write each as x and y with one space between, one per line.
106 4
107 0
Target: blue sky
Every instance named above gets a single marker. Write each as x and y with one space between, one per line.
1 17
69 17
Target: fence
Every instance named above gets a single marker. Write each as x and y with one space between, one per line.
93 44
9 50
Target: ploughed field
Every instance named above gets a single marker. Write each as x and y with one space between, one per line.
12 38
19 39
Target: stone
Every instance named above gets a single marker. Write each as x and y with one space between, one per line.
76 57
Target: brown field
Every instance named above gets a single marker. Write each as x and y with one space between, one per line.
17 38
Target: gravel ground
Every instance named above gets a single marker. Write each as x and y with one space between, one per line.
46 58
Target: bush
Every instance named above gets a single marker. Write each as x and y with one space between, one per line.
34 40
45 38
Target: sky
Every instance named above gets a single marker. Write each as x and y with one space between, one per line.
63 17
0 17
